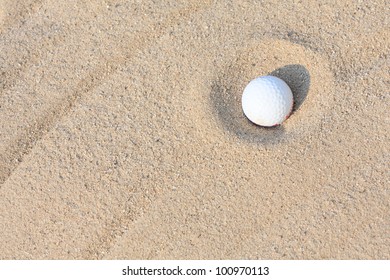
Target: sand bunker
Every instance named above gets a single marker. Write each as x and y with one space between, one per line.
122 135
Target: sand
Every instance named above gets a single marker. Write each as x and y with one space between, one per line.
122 134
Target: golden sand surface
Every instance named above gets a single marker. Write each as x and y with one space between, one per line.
122 134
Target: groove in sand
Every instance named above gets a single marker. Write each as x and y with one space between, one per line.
23 145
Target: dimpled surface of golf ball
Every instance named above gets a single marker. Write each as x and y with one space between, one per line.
267 101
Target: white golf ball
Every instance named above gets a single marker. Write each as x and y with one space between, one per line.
267 101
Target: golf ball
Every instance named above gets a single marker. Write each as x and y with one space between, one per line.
267 101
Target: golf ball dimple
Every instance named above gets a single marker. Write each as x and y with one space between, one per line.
267 101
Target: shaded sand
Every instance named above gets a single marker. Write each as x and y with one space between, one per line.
122 136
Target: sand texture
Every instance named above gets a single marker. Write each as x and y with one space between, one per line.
122 134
